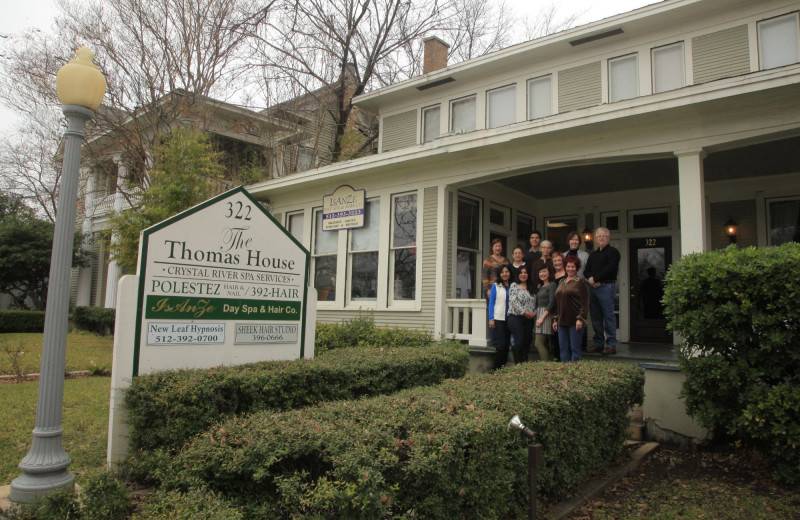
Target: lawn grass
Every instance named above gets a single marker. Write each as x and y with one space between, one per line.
85 421
83 349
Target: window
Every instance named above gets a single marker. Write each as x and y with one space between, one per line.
668 70
540 97
430 123
294 224
558 228
403 258
326 245
784 221
468 243
305 159
501 106
462 115
363 255
525 224
622 78
778 41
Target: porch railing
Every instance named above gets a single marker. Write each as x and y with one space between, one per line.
466 320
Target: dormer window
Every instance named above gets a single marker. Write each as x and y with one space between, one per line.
462 115
778 41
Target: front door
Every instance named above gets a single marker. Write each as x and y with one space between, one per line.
649 260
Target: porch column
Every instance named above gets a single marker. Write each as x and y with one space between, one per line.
113 272
691 184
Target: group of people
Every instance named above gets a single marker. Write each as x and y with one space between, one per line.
544 297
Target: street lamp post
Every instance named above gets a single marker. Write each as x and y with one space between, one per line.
81 87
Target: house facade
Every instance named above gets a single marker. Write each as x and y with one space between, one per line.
668 125
291 137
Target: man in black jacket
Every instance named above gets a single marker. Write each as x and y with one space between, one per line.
601 273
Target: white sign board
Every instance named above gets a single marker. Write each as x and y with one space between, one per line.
343 209
221 283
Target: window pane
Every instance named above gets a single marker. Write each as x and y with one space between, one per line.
468 223
651 220
668 68
366 238
364 273
325 278
502 105
325 242
305 159
622 79
430 124
404 230
405 273
296 226
524 229
462 117
558 229
540 103
778 40
784 222
465 274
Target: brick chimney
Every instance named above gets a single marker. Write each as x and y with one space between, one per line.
435 54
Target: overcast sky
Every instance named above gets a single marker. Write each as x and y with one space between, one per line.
16 15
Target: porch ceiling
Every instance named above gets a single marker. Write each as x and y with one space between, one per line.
769 158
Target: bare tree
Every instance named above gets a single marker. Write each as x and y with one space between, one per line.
476 27
548 21
337 49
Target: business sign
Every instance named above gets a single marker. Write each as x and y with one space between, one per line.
343 209
220 284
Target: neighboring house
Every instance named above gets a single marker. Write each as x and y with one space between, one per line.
291 137
664 124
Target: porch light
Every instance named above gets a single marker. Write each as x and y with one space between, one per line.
587 235
731 228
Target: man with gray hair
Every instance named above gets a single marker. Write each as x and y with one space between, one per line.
601 273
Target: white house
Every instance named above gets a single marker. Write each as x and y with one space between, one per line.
664 124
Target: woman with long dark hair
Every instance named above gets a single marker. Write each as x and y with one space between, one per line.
498 313
545 308
521 311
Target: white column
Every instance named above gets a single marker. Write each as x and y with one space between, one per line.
113 272
691 186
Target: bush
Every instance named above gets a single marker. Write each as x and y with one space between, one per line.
738 313
166 408
170 505
104 497
21 321
360 331
94 319
56 505
432 452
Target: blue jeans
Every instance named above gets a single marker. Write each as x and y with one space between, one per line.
601 307
569 342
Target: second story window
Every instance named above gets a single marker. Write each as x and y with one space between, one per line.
668 71
778 41
501 106
430 123
623 78
462 115
540 97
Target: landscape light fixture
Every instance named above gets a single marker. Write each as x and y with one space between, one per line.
534 456
80 86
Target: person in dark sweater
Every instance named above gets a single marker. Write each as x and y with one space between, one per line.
601 273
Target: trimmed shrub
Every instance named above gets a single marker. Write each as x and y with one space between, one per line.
171 505
361 331
432 452
738 313
56 505
21 321
94 319
104 497
166 408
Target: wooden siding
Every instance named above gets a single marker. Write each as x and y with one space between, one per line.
399 130
721 54
429 252
579 87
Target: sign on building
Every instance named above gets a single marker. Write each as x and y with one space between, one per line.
343 209
221 283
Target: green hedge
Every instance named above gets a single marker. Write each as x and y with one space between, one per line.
21 321
167 408
429 452
361 331
738 313
94 319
